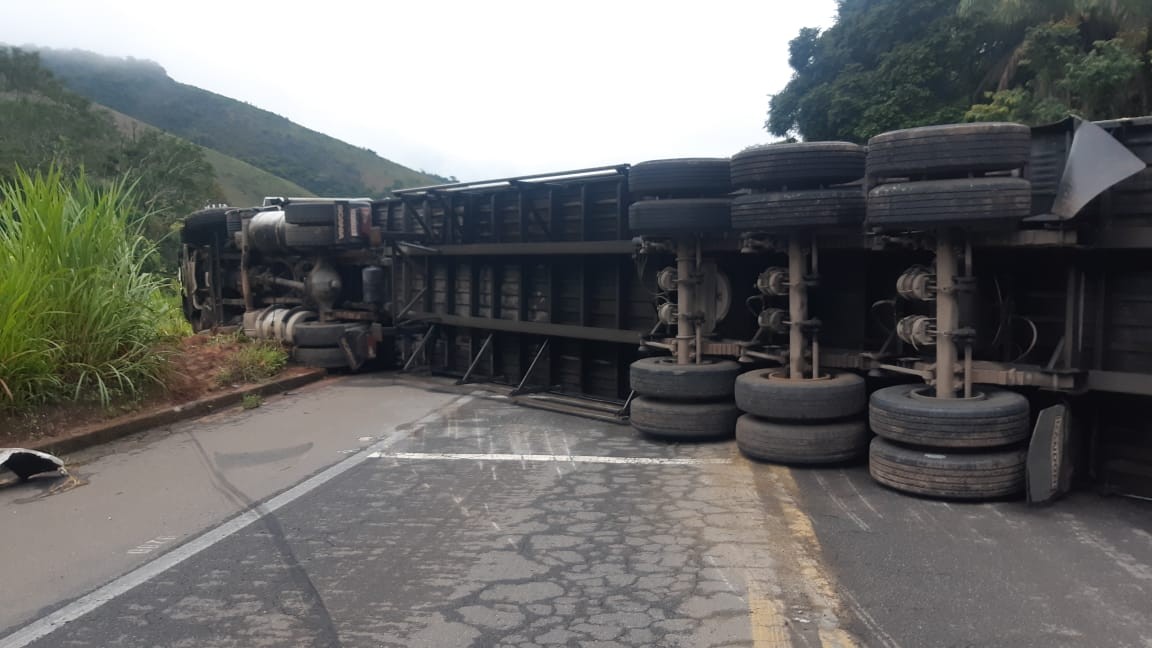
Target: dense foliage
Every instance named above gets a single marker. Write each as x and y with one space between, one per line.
317 162
47 126
79 313
889 64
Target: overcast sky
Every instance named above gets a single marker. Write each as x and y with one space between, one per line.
472 89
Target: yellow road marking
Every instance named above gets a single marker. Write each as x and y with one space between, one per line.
801 529
769 626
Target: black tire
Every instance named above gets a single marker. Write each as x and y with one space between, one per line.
321 334
798 209
683 421
206 219
308 236
970 476
323 358
908 414
934 203
801 443
680 215
680 177
663 378
797 166
949 150
769 393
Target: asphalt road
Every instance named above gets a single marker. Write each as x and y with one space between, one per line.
394 515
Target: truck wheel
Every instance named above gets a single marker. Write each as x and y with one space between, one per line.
680 215
323 358
663 378
797 166
680 177
308 236
934 203
909 414
950 149
798 209
801 443
321 334
672 420
207 219
974 476
771 394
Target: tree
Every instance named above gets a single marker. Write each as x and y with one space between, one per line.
1106 51
49 127
886 64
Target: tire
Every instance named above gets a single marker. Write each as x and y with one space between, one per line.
321 334
798 209
934 203
323 358
680 177
770 394
901 414
684 421
680 215
951 149
970 476
801 443
308 236
663 378
797 166
207 219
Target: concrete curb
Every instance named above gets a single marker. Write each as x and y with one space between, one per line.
89 436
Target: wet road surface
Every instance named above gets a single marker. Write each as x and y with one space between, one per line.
447 518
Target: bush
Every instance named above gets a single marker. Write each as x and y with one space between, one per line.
253 362
79 317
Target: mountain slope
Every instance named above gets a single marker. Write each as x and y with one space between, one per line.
240 183
317 162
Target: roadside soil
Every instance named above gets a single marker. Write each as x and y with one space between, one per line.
194 369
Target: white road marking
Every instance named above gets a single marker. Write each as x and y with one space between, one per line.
547 458
151 545
46 625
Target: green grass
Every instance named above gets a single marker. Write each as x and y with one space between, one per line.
253 362
244 185
251 401
240 184
80 319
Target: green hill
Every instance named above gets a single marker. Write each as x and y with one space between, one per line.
239 183
317 162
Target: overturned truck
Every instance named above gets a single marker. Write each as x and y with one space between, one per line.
968 307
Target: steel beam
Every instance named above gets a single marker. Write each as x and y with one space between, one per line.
526 249
535 328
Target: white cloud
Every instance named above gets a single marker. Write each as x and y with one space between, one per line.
472 89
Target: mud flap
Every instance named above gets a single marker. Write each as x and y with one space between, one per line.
1096 162
359 346
1049 465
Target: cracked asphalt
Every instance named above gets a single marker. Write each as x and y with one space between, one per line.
463 520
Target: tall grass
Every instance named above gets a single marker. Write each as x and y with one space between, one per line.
79 316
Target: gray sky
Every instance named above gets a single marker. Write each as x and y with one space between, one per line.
471 89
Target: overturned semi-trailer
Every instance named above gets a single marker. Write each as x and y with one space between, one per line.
977 296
